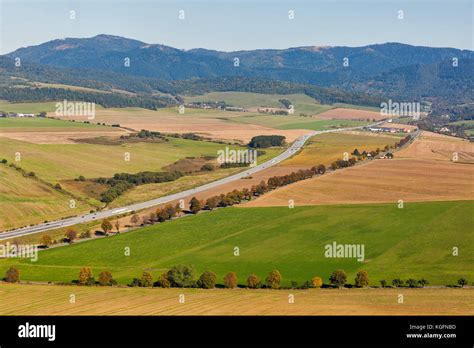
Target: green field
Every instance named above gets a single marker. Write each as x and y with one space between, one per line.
27 107
415 241
38 124
324 124
295 122
302 103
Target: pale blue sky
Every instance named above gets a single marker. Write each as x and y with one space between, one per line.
241 24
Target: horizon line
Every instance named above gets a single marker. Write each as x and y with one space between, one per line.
239 50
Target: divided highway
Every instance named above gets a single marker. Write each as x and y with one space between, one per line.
297 145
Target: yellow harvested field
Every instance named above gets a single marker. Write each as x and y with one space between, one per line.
351 114
439 147
59 137
422 172
327 148
54 300
213 124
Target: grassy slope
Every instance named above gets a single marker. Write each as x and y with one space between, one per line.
37 124
54 162
416 241
302 103
25 200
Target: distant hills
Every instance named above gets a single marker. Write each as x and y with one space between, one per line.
391 70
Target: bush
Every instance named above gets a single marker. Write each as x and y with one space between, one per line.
462 282
135 282
71 234
195 205
207 167
106 279
163 281
267 141
362 279
338 278
383 283
397 282
230 280
317 282
12 275
85 276
46 240
207 280
274 279
85 234
146 280
423 282
253 281
181 276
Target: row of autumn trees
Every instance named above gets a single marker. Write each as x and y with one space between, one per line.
237 196
184 276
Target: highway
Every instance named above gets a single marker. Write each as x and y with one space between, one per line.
297 145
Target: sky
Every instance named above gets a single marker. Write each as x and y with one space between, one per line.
241 24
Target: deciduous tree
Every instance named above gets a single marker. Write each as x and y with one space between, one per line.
338 278
253 281
207 280
274 279
85 276
317 282
12 275
362 279
230 280
71 234
106 226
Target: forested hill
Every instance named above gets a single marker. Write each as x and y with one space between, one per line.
358 75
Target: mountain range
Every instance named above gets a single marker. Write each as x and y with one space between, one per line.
391 69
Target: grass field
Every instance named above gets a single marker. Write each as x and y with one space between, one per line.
39 124
27 107
295 122
56 162
301 102
26 201
54 300
413 242
326 148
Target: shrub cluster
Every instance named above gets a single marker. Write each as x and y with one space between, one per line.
121 182
261 141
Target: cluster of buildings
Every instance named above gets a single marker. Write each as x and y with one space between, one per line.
388 129
15 114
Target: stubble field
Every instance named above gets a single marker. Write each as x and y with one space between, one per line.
54 300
